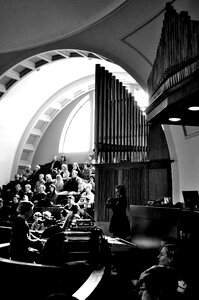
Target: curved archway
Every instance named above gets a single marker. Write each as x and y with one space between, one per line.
38 116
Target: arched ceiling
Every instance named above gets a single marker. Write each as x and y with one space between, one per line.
44 91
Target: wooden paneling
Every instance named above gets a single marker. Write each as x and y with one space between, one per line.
142 181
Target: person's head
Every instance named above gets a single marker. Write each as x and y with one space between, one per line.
48 177
88 188
52 188
27 187
74 174
25 208
37 167
120 190
92 178
17 177
37 215
168 255
16 198
25 198
41 188
158 282
59 178
41 176
54 157
71 199
47 215
75 166
63 158
64 167
18 187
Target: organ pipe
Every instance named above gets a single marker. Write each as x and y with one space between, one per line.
120 127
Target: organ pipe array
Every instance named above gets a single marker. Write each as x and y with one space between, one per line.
120 126
177 55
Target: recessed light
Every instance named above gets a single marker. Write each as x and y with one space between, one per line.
194 108
174 119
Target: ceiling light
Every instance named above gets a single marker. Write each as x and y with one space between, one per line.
174 119
194 108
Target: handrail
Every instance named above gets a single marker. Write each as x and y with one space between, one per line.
90 284
85 290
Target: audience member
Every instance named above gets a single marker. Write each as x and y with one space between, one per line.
51 197
158 282
34 177
21 239
87 200
40 181
85 173
65 174
28 191
59 183
19 191
13 207
4 212
48 182
28 171
37 224
76 168
54 166
92 182
73 212
40 196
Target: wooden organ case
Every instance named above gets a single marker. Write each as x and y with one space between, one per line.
122 147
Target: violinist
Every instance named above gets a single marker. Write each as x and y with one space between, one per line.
119 223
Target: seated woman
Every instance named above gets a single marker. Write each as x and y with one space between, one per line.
65 174
39 197
51 197
21 240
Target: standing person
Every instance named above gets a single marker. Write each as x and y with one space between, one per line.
119 224
20 235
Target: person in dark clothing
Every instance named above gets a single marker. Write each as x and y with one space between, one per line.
119 224
21 240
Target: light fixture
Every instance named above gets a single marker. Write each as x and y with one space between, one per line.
193 108
174 119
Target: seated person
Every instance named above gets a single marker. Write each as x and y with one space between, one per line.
19 191
65 174
4 211
40 196
158 282
39 182
13 207
28 191
48 219
48 182
21 240
87 200
73 212
71 185
51 197
38 224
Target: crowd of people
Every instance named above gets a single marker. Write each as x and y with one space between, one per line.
51 184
